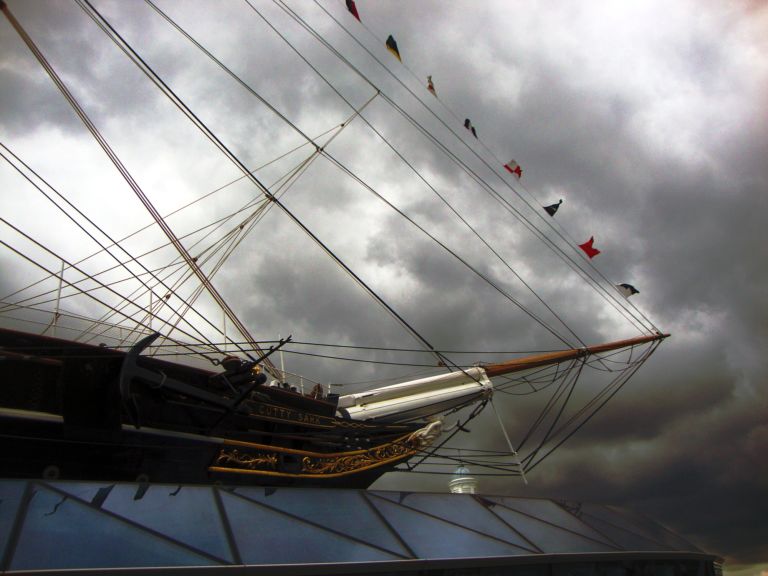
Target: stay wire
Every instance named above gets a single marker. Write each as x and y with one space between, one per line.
177 210
609 296
87 219
402 158
572 264
237 234
574 377
551 403
121 168
59 257
626 377
602 393
259 212
144 67
459 428
232 235
158 270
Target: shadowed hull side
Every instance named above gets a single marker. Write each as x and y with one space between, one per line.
64 414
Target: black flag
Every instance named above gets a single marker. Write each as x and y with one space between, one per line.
552 208
627 289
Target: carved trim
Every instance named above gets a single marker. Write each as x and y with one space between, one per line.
248 461
253 458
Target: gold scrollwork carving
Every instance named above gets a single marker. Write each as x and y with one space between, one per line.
375 456
248 461
317 465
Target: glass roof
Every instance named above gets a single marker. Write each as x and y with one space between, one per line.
57 525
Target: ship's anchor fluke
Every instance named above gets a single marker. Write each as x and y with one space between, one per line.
158 379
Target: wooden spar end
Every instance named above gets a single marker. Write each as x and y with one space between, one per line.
564 355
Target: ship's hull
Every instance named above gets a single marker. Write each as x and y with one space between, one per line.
76 411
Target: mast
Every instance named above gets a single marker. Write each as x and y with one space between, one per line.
564 355
190 261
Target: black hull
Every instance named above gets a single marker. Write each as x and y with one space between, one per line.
80 412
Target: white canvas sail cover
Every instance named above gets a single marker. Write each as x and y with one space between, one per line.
418 398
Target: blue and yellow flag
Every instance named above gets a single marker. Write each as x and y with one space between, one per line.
392 47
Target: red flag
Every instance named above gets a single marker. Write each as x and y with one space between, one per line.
353 9
514 168
589 250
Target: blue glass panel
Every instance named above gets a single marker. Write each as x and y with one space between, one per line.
432 538
624 538
344 510
188 514
398 497
60 532
548 537
464 510
551 512
651 529
84 490
265 536
11 492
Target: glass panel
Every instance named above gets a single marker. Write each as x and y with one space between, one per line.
653 530
398 497
84 490
550 511
624 538
267 537
433 538
621 519
344 510
60 532
187 514
11 492
464 510
548 537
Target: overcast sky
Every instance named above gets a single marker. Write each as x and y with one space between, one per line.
647 118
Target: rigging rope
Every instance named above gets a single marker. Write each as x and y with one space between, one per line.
51 252
421 177
609 295
79 225
149 72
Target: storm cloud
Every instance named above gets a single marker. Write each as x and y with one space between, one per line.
647 119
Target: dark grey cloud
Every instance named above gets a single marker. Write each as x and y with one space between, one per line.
650 129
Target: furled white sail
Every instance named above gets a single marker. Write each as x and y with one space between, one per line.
418 398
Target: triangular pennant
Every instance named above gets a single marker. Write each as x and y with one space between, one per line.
552 208
514 168
353 9
627 290
392 47
431 86
589 250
